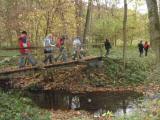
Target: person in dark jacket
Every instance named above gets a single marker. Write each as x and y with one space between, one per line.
107 46
141 48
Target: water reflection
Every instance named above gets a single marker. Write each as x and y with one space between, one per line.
97 103
75 103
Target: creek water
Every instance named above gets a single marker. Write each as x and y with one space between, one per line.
119 103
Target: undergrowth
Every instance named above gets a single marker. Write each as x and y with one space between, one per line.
15 107
137 68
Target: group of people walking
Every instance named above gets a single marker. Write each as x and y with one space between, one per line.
143 48
49 48
50 45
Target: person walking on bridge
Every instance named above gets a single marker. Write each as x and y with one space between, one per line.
77 48
48 49
25 54
60 45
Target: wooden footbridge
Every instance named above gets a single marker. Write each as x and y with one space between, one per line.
85 60
10 72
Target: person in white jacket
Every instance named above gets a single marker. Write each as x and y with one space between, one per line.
48 49
77 47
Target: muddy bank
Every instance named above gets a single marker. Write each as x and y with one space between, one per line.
71 115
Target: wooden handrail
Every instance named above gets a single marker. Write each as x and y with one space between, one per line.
40 47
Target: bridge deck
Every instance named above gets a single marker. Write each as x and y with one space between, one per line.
58 64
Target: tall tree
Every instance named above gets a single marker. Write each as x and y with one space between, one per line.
99 8
158 1
87 20
78 10
154 26
124 33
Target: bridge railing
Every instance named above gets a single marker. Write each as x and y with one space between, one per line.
10 56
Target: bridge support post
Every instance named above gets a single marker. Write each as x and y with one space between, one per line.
96 63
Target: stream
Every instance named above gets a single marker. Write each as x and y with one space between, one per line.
97 103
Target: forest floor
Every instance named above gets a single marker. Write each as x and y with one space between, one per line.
140 75
150 88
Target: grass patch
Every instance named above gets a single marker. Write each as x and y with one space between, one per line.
137 68
9 53
15 107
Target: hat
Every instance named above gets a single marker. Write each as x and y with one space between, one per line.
24 32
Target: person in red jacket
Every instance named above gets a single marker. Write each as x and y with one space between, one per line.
146 47
24 45
60 44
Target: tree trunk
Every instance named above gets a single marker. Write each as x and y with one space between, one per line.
47 23
64 23
106 4
99 9
36 33
131 41
159 8
87 20
10 37
124 34
115 39
79 7
154 27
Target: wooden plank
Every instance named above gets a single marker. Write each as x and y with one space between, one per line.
15 70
